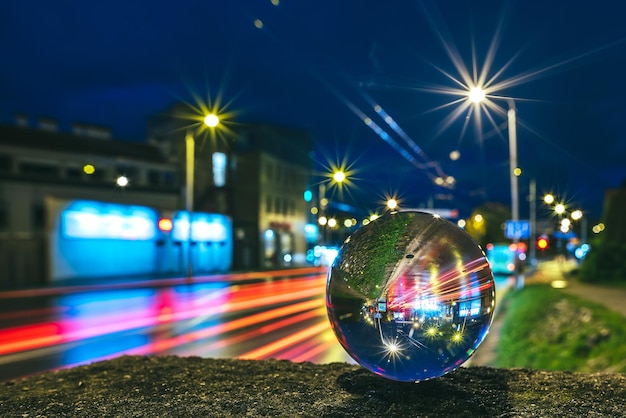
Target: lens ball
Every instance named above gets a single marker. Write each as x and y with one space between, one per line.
410 296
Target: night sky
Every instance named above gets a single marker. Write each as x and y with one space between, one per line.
325 65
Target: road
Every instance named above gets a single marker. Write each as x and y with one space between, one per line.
279 314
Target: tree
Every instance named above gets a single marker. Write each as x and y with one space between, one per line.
487 223
605 261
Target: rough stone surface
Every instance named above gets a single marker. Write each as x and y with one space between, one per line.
169 386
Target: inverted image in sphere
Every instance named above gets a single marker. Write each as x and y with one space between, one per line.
410 296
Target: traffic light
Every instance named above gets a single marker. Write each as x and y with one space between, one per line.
542 242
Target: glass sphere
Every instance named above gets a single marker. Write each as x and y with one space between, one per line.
410 296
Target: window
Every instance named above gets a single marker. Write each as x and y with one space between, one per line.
269 170
5 163
4 215
268 204
37 169
129 172
170 178
219 169
38 216
154 177
73 173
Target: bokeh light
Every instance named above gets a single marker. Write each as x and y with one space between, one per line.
89 169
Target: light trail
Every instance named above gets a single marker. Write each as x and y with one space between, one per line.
269 349
65 330
217 278
167 345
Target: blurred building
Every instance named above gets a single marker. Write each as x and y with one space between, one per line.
40 166
270 214
256 173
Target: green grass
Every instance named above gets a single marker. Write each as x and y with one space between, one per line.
546 329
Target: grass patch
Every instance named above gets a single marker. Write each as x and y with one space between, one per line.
547 329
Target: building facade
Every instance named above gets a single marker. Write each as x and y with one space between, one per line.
255 174
40 166
274 169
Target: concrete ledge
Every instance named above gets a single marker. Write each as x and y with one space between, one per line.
135 386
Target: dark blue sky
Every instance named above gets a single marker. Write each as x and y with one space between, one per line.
323 65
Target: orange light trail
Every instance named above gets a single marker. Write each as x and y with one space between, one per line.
267 350
29 337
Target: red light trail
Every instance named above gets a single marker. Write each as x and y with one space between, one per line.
280 317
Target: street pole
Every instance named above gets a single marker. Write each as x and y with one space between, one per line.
190 161
322 212
512 126
533 224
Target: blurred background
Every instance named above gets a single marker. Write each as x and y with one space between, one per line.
178 178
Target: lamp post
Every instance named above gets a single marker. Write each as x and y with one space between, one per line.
211 120
477 95
512 125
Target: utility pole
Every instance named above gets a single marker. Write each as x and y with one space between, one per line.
533 224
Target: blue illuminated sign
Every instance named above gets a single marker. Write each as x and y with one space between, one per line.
204 227
92 220
517 229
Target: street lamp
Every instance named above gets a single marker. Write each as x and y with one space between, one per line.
211 120
339 176
559 209
336 177
477 95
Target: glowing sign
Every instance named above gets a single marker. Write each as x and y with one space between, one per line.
205 227
471 308
202 230
86 219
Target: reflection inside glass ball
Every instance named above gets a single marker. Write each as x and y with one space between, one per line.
410 296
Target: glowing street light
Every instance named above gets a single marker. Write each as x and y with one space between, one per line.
548 199
559 209
211 120
392 204
339 176
476 95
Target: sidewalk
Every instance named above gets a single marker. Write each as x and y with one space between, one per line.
613 298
